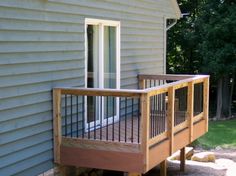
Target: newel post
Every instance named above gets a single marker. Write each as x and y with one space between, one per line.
145 114
171 112
190 109
141 82
57 124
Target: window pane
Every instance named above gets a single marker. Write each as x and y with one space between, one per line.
109 67
93 70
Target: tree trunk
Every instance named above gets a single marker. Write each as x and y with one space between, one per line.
219 99
225 96
231 95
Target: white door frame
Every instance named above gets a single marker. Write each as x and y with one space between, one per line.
101 24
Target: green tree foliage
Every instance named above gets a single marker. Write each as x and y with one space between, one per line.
205 42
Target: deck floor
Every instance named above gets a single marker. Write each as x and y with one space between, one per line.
128 130
121 131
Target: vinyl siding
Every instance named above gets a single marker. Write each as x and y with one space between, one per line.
42 46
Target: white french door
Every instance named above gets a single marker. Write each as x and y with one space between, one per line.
102 70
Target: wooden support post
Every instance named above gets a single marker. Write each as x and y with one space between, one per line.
171 112
163 168
182 159
145 114
206 102
190 109
57 124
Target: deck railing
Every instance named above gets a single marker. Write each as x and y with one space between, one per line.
163 106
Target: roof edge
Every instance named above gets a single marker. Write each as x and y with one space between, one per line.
176 8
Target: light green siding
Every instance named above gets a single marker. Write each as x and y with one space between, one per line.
42 46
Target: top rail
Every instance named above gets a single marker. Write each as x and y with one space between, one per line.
176 85
182 81
164 77
101 92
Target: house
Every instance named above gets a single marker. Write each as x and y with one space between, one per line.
100 46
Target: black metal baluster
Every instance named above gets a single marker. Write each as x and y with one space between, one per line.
101 115
71 115
65 115
125 118
159 114
154 115
119 117
94 132
132 121
151 120
77 116
83 116
113 117
107 119
139 119
88 120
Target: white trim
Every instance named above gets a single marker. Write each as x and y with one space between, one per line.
94 21
165 45
102 23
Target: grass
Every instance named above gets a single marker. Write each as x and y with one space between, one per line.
221 133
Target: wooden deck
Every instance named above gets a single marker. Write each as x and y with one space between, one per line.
122 131
133 145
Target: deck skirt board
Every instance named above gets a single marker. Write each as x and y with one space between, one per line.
119 161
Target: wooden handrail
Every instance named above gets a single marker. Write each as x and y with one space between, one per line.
101 92
164 77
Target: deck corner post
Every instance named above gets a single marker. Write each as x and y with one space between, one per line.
206 102
190 109
170 118
145 108
141 82
163 168
57 124
182 159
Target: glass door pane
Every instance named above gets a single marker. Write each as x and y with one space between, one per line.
110 77
93 71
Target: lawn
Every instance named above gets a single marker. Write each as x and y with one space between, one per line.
221 133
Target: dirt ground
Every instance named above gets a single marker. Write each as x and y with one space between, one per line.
225 165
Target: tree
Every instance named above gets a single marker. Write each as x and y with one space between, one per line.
217 47
205 42
182 55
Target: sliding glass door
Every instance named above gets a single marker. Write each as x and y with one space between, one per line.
102 70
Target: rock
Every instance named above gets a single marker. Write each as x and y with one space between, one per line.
204 157
188 153
218 148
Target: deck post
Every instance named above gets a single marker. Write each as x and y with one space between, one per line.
206 101
141 83
145 128
190 109
163 168
57 124
170 117
182 159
